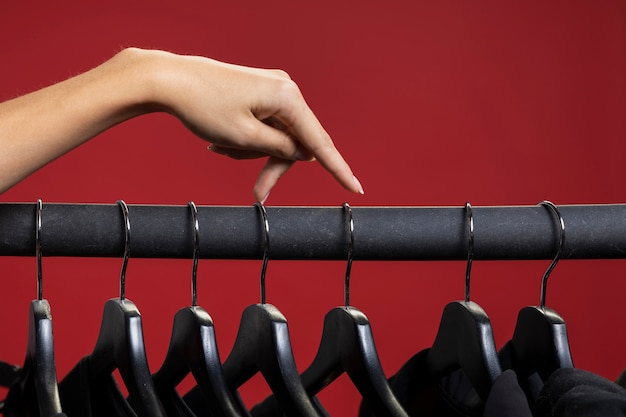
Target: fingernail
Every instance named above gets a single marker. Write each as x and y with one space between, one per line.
265 198
358 185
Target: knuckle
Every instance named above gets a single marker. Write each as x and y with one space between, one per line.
281 73
248 134
288 90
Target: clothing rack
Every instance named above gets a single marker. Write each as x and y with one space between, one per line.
316 233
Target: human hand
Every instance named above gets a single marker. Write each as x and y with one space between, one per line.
247 113
244 113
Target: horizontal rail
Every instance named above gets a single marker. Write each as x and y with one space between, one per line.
316 233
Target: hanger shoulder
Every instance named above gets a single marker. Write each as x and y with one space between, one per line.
347 345
263 345
193 348
540 342
120 345
120 327
186 346
254 342
345 338
363 366
327 364
40 362
465 340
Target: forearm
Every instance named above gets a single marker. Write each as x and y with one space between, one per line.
41 126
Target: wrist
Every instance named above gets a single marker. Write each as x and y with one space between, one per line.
141 77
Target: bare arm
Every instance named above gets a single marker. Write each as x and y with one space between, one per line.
243 112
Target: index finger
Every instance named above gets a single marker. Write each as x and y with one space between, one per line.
310 133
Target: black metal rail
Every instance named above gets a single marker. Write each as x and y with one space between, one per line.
316 233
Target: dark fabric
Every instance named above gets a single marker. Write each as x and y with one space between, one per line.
422 394
531 385
174 406
20 403
270 408
82 396
506 398
579 393
8 374
16 403
621 379
196 402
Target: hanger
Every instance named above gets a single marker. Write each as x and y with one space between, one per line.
36 392
347 345
262 345
465 337
120 344
540 342
193 348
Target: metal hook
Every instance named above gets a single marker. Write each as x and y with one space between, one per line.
544 280
124 207
266 247
196 252
38 250
346 284
470 250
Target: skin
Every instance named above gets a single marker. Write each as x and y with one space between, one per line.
242 112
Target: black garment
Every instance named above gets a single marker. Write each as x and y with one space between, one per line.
174 405
621 379
83 397
9 373
578 393
270 408
196 402
13 406
422 394
531 385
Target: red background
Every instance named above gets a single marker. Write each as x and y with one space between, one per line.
432 103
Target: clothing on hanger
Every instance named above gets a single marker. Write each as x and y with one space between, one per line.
571 392
422 393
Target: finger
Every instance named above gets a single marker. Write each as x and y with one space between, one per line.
271 172
275 141
316 140
235 153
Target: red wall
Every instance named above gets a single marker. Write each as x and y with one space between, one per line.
432 103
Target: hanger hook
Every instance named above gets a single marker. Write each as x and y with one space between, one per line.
544 280
38 250
470 250
124 208
196 252
266 246
346 284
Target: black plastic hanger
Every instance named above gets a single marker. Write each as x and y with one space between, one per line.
193 348
263 345
36 392
120 345
347 345
540 342
465 337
